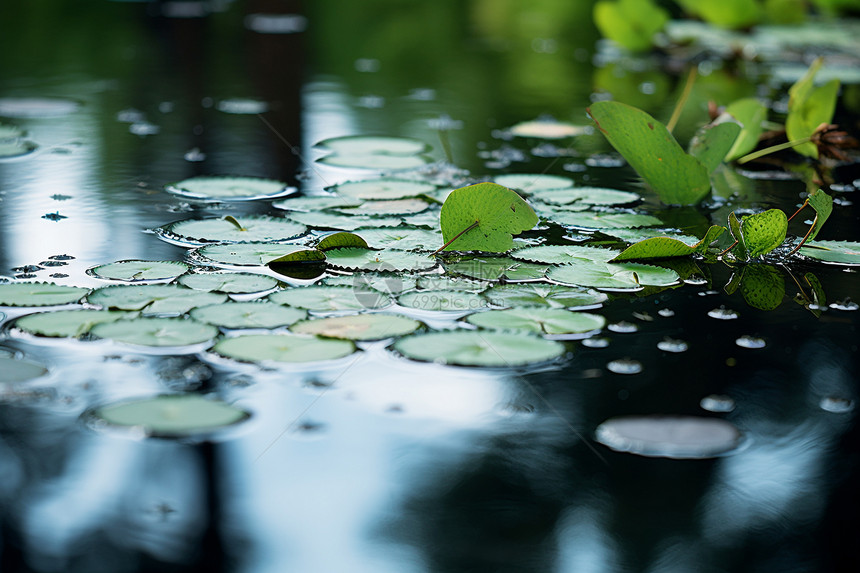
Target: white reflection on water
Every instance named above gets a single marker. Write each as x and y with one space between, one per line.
583 543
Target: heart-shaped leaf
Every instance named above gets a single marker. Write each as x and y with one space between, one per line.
763 232
646 144
484 217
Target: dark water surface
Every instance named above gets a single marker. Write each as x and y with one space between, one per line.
382 464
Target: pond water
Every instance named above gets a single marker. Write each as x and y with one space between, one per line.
743 452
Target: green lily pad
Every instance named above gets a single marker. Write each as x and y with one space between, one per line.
256 314
250 229
473 348
387 207
373 144
216 188
630 23
666 247
152 299
484 217
646 144
376 161
751 113
498 268
547 129
636 235
540 320
331 298
763 232
39 294
562 254
340 240
321 220
712 142
282 347
133 270
442 300
388 283
254 254
586 196
371 260
316 203
527 183
594 221
384 188
613 276
836 252
13 370
552 296
358 326
169 415
401 238
230 283
156 332
446 282
67 323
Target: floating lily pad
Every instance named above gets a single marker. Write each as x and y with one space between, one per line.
540 320
383 145
553 296
376 161
331 298
593 221
586 195
254 254
36 107
153 299
230 283
156 332
39 294
613 276
836 252
169 415
388 283
358 326
499 349
139 270
251 229
528 183
401 238
636 235
388 207
377 189
670 436
548 129
215 188
320 220
341 240
498 268
445 300
371 260
320 203
446 282
561 254
14 370
67 323
257 314
279 347
13 148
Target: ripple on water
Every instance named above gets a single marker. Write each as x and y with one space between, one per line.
680 437
623 327
723 313
672 345
624 366
836 405
596 342
717 403
747 341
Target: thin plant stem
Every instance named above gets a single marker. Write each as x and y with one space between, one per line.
805 237
732 246
682 101
235 221
773 149
801 208
457 236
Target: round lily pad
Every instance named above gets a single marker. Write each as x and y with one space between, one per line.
371 260
388 283
253 254
153 299
548 129
321 220
387 207
66 323
169 415
586 195
230 283
479 348
156 332
613 276
215 188
687 437
561 254
19 370
553 296
316 203
528 183
385 188
331 298
446 282
257 314
401 238
254 229
282 348
375 161
444 300
39 294
836 252
594 221
373 144
541 320
358 326
133 270
498 268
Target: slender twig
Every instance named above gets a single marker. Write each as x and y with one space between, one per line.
773 149
682 101
457 236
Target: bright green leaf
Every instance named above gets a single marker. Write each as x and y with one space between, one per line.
666 247
809 107
823 205
630 23
712 142
750 112
762 286
763 232
340 240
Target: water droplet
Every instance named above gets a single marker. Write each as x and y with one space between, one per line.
696 280
623 327
836 405
846 304
276 23
574 167
596 342
747 341
717 403
624 366
143 128
666 312
709 292
194 155
723 313
672 345
687 437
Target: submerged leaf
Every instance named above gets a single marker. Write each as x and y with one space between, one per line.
13 370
